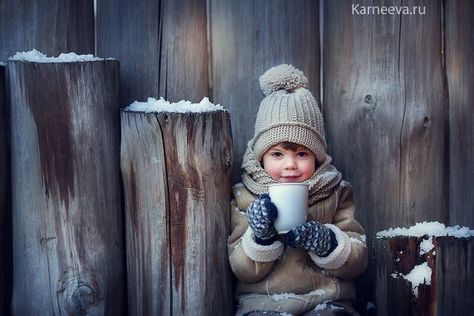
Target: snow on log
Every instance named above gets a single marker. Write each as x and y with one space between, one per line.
426 269
67 205
176 168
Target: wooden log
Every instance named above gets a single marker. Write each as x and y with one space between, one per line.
385 109
459 50
67 206
247 38
5 201
176 170
52 26
450 292
172 39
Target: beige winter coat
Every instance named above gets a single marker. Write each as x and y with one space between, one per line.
282 278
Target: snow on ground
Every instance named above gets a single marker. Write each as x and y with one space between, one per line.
161 105
429 229
38 57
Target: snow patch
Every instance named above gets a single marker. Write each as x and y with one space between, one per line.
420 274
428 228
357 241
426 246
370 305
35 56
161 105
285 296
323 306
2 64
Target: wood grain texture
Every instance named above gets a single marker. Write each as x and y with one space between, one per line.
147 215
198 151
51 26
450 292
161 45
385 109
247 38
67 206
455 276
459 30
5 201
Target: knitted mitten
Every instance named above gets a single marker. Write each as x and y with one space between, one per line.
260 216
312 236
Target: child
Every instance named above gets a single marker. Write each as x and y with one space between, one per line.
307 271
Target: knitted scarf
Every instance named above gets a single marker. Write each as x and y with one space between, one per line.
321 184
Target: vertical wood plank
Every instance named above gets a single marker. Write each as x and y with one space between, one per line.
143 168
459 25
161 45
248 37
5 201
455 276
67 205
50 26
198 150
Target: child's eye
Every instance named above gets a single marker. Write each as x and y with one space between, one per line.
277 155
302 154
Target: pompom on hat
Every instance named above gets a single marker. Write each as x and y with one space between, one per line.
288 113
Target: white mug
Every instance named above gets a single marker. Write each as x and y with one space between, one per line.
291 200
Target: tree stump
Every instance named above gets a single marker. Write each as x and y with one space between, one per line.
451 291
176 170
67 206
5 201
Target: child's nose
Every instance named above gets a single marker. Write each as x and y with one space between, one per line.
290 163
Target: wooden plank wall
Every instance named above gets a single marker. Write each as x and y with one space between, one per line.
5 201
385 106
459 28
50 26
161 45
248 37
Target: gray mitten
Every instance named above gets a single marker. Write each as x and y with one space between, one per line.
260 216
312 236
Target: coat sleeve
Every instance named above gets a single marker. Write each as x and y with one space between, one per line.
349 259
249 261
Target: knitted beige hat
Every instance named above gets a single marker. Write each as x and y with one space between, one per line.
288 113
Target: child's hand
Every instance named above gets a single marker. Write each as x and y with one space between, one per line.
260 216
312 236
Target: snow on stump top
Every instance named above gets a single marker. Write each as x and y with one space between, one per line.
436 229
157 106
35 56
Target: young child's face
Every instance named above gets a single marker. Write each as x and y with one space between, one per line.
286 165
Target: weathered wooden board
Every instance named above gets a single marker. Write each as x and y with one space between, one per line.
161 45
147 215
68 250
51 26
459 33
248 37
450 291
455 276
5 201
198 153
385 106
